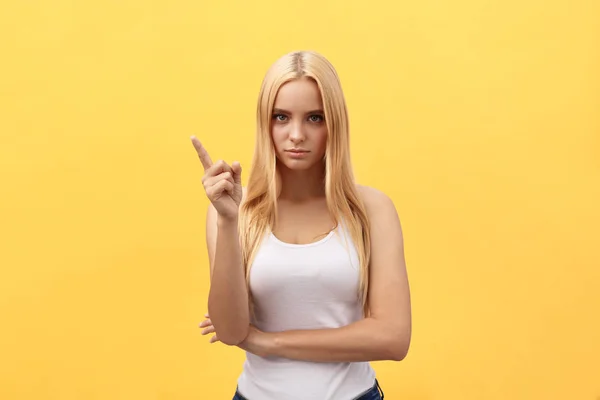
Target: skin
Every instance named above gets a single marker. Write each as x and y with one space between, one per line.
385 334
227 298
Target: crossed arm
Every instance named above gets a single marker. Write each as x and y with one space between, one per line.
385 334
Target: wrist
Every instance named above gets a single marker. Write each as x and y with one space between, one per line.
227 221
272 344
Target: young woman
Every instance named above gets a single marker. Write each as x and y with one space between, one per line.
307 267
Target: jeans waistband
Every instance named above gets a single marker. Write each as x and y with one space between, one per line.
367 395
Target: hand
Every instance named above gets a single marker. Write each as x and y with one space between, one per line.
257 342
208 328
222 183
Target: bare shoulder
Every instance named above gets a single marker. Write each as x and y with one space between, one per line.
378 204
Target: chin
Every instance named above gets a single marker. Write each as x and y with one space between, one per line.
296 164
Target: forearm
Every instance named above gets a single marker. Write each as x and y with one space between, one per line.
366 340
228 295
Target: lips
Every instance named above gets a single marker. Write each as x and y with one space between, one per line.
297 154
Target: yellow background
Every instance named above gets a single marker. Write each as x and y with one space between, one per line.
479 118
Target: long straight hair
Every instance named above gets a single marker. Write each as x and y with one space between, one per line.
259 209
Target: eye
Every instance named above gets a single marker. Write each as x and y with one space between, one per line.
316 118
279 117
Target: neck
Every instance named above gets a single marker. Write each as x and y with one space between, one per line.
299 186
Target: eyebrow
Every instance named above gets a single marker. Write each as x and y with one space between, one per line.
281 111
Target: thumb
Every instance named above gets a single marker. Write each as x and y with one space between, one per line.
237 172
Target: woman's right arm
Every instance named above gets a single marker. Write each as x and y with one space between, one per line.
228 296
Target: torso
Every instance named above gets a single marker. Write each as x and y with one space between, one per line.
305 276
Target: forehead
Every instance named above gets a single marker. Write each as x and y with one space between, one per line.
299 95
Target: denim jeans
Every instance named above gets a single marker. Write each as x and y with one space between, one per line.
375 393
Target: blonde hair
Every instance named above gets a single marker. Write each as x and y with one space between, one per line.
259 208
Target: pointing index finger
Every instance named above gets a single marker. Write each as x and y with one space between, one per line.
202 153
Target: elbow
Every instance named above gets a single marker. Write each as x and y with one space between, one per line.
233 337
398 353
233 341
231 329
398 347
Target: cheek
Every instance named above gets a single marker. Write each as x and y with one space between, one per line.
322 141
278 136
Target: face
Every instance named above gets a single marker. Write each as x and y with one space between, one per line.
298 127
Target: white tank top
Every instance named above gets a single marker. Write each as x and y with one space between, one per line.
305 286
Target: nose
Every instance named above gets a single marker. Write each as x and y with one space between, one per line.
297 133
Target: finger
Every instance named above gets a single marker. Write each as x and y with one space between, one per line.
202 153
218 167
218 188
206 315
206 322
213 180
228 187
207 330
237 172
214 339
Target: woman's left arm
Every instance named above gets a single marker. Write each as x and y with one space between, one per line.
385 334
